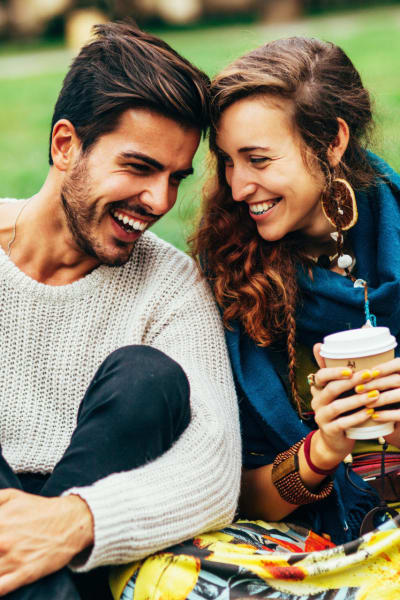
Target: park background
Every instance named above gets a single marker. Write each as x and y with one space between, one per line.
33 64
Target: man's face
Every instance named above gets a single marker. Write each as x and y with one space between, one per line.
126 182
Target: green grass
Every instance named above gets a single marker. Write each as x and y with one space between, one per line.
370 37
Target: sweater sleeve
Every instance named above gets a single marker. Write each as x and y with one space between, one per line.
194 486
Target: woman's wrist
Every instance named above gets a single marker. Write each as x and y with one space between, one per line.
319 457
311 464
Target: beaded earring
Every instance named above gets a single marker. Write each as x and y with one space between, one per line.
340 209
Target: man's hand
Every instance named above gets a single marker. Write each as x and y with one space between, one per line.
39 535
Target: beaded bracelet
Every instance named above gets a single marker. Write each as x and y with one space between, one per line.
286 478
307 455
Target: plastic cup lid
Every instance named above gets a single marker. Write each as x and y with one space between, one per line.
354 343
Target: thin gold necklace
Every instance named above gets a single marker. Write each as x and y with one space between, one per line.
14 233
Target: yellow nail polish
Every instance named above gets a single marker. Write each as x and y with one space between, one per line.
375 373
374 416
359 388
370 412
373 394
347 373
366 375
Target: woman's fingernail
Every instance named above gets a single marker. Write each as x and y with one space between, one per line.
375 373
366 375
374 416
373 394
359 388
370 412
347 373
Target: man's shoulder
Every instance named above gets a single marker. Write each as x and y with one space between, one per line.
156 255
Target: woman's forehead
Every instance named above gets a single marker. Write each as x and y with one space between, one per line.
254 122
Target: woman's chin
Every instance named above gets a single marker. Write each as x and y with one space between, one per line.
270 234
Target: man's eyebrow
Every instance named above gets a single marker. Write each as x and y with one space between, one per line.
144 157
153 162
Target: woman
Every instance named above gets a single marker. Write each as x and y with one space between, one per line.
290 263
288 120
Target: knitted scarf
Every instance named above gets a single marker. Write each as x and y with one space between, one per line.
330 303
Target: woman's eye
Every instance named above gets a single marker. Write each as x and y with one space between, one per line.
259 160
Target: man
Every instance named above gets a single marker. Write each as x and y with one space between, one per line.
119 427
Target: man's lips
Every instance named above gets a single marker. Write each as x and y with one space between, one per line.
130 223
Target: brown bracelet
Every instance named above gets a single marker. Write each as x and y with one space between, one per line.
286 478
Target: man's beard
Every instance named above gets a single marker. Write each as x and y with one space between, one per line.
82 218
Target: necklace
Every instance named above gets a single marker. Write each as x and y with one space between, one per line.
14 233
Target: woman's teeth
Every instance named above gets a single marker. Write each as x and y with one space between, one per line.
263 207
129 223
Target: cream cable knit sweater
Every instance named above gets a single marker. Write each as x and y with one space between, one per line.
52 341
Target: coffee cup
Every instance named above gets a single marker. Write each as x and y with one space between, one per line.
361 349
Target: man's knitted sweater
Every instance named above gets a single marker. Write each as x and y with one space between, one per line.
53 339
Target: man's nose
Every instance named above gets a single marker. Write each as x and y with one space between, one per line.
159 197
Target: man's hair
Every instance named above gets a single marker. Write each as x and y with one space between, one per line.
126 68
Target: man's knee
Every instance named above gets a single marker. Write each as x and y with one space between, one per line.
144 389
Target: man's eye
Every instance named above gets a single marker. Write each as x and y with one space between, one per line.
177 179
140 167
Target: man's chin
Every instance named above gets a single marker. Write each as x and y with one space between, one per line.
115 260
117 257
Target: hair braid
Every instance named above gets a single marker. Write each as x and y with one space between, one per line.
290 319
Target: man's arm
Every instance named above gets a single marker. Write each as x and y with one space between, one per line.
194 486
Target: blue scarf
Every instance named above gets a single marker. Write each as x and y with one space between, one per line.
330 303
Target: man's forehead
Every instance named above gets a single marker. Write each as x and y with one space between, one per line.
142 131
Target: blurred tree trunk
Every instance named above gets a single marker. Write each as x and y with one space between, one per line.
279 11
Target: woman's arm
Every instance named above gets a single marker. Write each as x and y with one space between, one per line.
329 446
260 499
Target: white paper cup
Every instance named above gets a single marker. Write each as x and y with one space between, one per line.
361 349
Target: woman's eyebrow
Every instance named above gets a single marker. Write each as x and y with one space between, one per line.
250 148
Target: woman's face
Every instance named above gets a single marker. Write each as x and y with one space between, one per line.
264 167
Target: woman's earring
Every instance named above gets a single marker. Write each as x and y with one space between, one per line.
340 208
339 205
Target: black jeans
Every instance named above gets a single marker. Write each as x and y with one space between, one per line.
135 408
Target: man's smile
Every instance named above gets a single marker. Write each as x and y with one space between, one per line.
127 221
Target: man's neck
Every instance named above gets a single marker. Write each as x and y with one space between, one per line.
43 248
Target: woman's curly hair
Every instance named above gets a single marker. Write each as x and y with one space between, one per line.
254 280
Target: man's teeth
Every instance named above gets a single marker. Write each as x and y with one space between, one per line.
135 224
263 207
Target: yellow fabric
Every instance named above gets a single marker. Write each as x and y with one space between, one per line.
232 561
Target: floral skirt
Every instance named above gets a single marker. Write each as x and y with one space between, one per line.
255 559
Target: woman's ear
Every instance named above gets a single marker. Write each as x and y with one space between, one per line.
339 144
318 357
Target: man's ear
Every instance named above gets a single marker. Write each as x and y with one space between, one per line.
65 144
318 357
339 144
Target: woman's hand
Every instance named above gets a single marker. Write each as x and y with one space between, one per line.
330 445
387 381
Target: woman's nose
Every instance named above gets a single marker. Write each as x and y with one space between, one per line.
241 185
